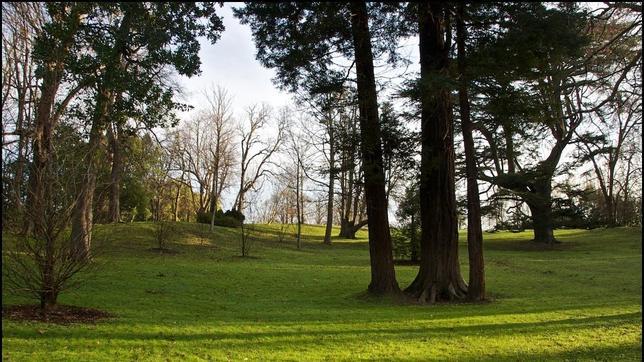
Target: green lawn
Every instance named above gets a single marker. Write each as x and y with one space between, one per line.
580 302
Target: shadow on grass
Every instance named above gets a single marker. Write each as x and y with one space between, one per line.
302 334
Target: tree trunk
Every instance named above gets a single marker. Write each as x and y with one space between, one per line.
47 300
439 277
297 206
115 176
82 217
348 228
44 123
383 277
542 222
213 204
330 193
476 288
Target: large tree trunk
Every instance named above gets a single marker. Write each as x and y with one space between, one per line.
541 209
348 228
439 277
476 288
383 277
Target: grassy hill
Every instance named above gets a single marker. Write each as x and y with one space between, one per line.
580 301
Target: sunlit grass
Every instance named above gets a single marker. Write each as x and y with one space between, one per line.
580 301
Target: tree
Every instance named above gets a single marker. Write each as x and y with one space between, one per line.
439 277
327 108
43 264
548 83
604 145
399 147
256 152
21 23
130 77
350 176
296 150
221 118
299 41
53 54
408 214
476 287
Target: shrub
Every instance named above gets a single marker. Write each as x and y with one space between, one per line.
235 214
221 219
162 232
227 221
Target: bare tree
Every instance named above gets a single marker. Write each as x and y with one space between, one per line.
256 152
327 109
222 147
44 263
192 145
296 150
604 146
21 23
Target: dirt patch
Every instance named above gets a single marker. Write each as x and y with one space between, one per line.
60 314
163 251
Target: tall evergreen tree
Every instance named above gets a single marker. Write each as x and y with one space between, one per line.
300 40
439 275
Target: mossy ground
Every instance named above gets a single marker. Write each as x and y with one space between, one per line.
580 301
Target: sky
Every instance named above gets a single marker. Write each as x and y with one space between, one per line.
231 63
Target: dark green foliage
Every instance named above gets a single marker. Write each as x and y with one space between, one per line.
227 219
406 238
301 40
404 247
235 214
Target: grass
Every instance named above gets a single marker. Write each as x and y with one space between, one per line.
580 301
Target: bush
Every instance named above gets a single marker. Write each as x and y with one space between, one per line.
203 217
227 221
221 219
163 230
235 214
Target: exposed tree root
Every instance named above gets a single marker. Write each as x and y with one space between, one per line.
431 293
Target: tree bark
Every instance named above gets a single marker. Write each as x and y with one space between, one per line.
476 288
439 277
541 211
348 228
383 277
82 215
